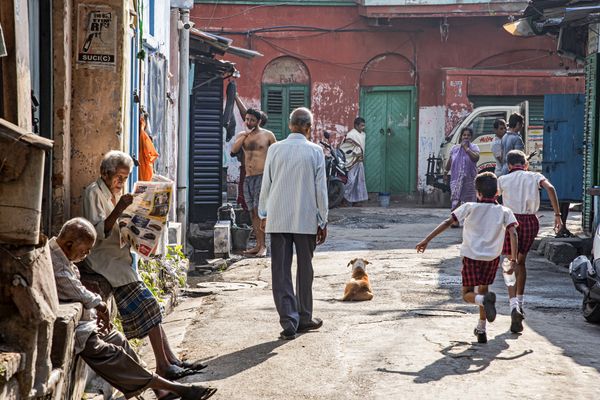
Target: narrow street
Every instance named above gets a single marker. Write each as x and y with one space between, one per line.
413 340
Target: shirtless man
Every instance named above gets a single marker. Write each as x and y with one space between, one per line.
255 141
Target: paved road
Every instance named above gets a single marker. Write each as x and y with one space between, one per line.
414 340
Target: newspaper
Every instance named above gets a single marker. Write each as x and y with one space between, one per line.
142 223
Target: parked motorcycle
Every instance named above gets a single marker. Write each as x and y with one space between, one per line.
336 172
586 278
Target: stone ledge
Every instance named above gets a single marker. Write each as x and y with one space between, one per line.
63 337
560 253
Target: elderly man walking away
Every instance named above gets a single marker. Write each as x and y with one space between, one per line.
104 349
103 203
293 209
255 142
353 147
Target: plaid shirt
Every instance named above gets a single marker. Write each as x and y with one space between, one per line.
70 288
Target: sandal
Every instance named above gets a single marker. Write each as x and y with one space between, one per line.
194 366
198 392
175 372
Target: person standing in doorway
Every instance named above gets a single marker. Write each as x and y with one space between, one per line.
353 147
255 142
512 140
499 131
293 208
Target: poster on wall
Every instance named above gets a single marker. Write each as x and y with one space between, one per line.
535 143
96 36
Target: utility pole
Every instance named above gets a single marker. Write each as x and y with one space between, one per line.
184 26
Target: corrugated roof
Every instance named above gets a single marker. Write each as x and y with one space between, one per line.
221 44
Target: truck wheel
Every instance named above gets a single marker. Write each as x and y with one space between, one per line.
335 191
591 310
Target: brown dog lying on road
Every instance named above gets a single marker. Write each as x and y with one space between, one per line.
359 288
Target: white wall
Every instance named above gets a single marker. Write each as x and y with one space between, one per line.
431 136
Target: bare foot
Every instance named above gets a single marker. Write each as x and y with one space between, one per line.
252 251
261 253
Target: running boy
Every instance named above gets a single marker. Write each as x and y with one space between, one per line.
485 223
520 192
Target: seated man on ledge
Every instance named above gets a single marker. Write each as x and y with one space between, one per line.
104 349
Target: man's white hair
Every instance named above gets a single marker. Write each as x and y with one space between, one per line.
301 116
113 160
77 229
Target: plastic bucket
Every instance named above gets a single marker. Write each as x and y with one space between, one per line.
240 236
384 199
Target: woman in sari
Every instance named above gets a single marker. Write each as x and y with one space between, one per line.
353 147
462 165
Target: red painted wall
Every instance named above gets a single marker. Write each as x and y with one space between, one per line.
336 60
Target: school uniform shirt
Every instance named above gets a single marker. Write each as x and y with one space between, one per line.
484 228
107 257
70 288
520 191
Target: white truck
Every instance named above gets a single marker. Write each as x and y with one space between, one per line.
481 121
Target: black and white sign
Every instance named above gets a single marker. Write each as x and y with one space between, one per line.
96 36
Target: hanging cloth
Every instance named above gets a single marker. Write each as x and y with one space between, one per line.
148 153
228 117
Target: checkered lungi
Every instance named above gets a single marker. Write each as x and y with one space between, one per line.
528 228
479 272
138 308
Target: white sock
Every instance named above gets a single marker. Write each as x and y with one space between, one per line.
479 299
520 299
514 303
481 325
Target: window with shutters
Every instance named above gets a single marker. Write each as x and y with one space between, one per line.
278 101
285 87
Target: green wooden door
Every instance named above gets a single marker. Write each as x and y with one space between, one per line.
390 154
278 101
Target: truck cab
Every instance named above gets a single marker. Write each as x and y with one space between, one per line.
481 121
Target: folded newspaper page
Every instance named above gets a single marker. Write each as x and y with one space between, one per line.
142 223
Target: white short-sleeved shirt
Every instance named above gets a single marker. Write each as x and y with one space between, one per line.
484 228
520 191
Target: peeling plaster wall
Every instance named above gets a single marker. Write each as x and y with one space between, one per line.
412 53
431 127
330 96
62 64
97 117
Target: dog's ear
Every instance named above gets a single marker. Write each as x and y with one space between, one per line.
366 262
352 262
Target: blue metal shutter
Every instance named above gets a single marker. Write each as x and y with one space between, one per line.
206 146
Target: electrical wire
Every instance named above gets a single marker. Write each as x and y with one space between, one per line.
242 12
349 66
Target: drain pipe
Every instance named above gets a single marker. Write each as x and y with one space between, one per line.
184 26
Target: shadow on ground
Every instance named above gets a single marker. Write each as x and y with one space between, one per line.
462 358
231 364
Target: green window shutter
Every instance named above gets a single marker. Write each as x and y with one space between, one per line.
273 100
278 101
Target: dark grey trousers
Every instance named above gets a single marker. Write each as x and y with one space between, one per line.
293 308
114 360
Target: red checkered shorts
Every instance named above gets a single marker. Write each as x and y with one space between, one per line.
528 228
478 272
